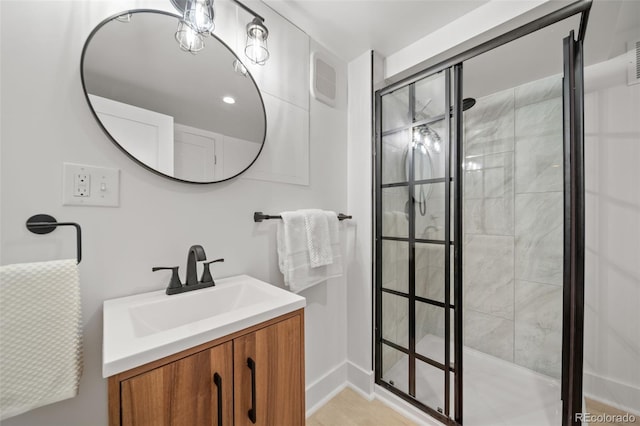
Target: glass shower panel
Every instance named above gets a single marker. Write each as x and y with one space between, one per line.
429 206
513 230
430 386
430 97
395 107
395 368
395 265
394 154
395 214
430 331
429 150
395 328
414 200
429 281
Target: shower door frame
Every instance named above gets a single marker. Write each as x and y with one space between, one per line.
573 252
452 84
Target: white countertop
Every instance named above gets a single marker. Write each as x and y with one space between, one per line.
145 327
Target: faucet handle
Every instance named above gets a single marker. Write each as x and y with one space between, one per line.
206 273
175 282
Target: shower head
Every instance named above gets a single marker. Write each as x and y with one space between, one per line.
468 103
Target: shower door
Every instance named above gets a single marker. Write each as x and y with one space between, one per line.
418 320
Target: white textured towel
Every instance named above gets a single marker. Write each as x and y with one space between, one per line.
293 253
40 335
317 223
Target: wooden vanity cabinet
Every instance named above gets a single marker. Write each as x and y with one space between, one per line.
182 392
252 377
273 389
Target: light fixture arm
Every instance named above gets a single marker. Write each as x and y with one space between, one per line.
248 9
256 49
180 4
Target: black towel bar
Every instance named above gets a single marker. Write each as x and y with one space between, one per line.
259 216
44 224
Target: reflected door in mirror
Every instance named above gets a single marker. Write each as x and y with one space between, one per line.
149 135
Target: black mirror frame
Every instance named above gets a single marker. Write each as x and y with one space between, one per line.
95 115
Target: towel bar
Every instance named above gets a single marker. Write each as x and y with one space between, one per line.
259 216
44 224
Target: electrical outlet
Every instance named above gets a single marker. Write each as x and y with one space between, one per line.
90 186
82 185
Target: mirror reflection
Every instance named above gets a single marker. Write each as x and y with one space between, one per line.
197 118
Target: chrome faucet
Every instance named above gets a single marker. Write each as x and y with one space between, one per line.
196 253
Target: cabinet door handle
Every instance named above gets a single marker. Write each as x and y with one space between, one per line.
252 412
218 381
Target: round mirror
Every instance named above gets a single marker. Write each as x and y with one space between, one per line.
191 117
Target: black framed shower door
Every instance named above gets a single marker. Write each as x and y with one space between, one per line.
426 115
417 194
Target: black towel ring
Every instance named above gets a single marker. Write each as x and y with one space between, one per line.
44 224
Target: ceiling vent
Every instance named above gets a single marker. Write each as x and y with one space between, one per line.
633 67
323 79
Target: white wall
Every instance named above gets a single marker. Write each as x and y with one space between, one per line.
359 194
45 122
612 275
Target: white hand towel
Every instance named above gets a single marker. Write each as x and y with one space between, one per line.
40 335
293 253
318 238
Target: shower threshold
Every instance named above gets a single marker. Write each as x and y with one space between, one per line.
496 392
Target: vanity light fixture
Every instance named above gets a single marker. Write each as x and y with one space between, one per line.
189 39
198 16
195 25
256 47
228 100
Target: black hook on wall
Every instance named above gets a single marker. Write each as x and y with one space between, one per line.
44 224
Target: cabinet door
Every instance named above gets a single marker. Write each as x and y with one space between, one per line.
183 392
272 388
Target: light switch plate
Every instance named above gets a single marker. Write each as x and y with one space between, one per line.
84 185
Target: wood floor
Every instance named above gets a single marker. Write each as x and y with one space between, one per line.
350 409
597 408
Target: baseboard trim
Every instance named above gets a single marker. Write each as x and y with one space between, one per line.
360 380
622 396
326 387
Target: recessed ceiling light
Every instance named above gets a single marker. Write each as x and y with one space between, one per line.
229 100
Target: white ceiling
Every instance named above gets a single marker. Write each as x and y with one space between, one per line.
350 27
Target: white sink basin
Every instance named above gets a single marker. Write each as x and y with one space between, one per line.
164 313
146 327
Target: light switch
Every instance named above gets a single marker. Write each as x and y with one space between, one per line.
84 185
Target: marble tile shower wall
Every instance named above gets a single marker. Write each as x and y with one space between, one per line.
513 225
